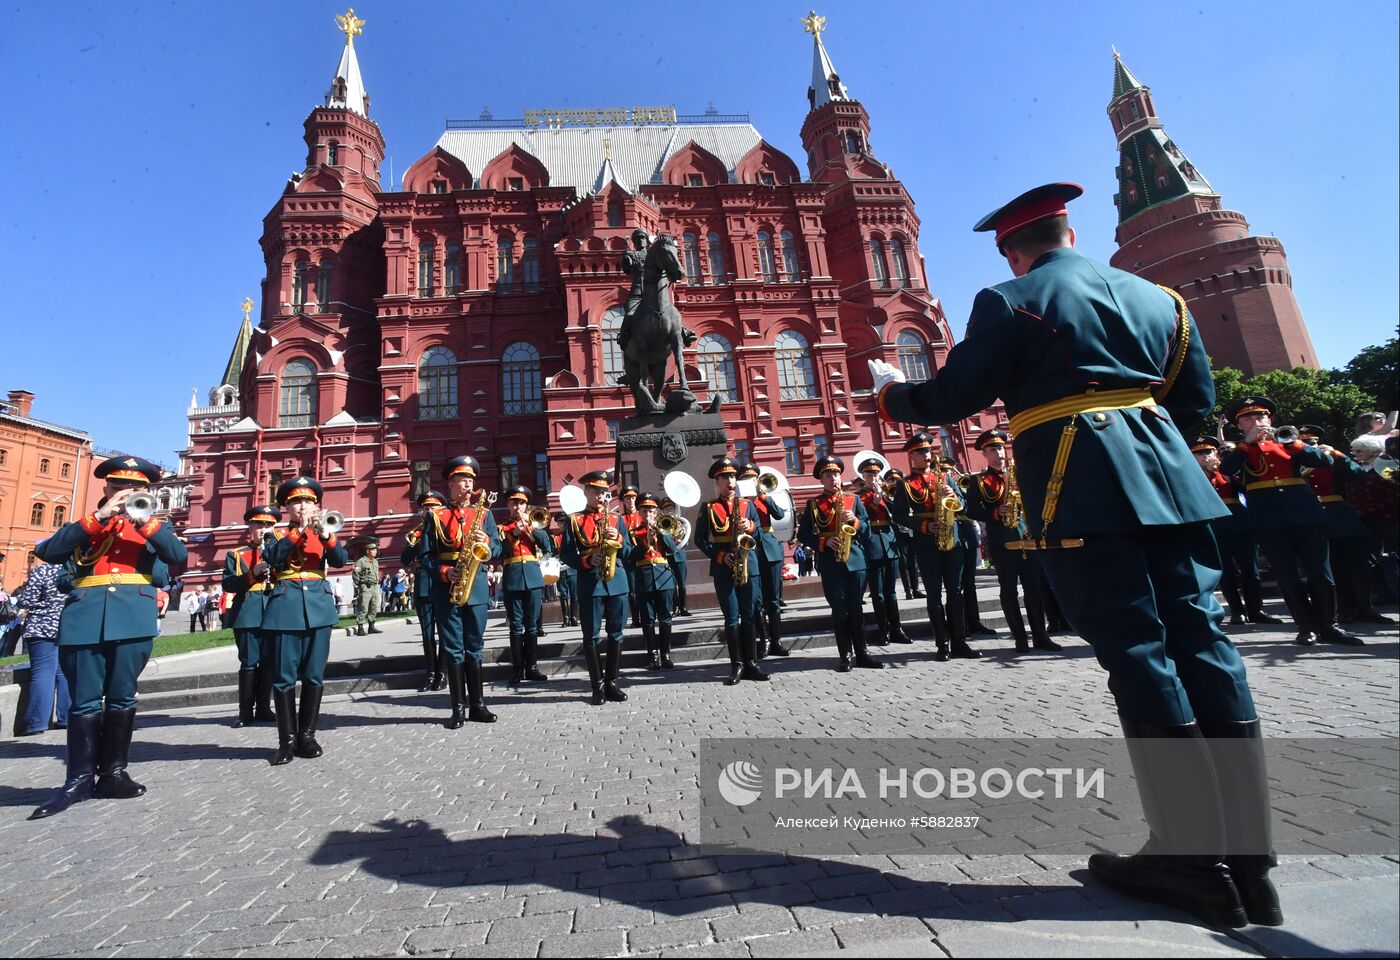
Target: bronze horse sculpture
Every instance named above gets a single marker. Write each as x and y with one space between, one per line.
654 333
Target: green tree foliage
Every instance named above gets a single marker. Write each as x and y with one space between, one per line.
1303 395
1376 371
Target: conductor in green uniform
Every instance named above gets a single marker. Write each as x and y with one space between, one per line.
106 629
1099 371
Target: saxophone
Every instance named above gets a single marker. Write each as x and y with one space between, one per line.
739 557
845 535
947 522
1015 510
607 549
472 554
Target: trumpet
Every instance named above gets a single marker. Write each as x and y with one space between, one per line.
770 481
669 525
539 518
140 507
329 523
1285 434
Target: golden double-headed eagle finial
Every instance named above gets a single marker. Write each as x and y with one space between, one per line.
350 25
812 23
247 306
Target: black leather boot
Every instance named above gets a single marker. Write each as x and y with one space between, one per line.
83 734
476 709
247 691
262 704
1228 587
1325 604
751 669
1237 750
760 633
863 658
957 633
882 625
457 690
681 608
653 655
1040 640
1016 625
736 656
517 661
940 631
775 633
440 677
532 665
563 610
897 634
613 660
595 674
429 658
665 640
1181 801
573 611
1254 604
307 720
286 701
114 747
842 630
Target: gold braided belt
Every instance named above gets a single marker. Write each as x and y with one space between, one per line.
1093 401
1258 485
300 576
113 579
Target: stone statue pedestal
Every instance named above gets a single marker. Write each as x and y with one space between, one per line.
650 447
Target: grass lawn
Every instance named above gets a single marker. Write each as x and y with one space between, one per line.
171 644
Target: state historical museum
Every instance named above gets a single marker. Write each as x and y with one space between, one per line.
474 310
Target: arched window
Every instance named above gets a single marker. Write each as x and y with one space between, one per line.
901 263
44 465
437 385
852 142
530 265
612 353
299 283
60 516
877 258
36 515
796 379
691 247
333 154
715 358
521 382
766 266
298 406
716 251
65 470
789 256
323 284
452 269
505 265
913 356
425 269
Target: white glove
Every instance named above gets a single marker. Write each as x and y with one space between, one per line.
884 373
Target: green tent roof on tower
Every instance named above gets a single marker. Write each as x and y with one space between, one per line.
1123 79
234 370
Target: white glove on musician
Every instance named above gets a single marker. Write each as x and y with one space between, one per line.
884 373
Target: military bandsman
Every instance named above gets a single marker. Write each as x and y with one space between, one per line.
1239 554
462 539
636 525
656 584
522 547
1348 537
1288 520
1097 368
904 541
928 503
246 579
119 554
835 526
568 578
724 532
415 558
598 545
680 567
881 551
768 611
993 498
970 542
299 616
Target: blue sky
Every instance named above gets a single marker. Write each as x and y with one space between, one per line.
145 144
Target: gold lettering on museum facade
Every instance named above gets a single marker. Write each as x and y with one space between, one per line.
600 117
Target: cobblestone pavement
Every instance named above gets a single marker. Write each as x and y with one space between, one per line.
561 830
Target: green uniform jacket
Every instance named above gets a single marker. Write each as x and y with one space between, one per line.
299 605
810 536
573 548
652 577
98 614
440 540
905 510
1069 325
1294 505
423 576
982 503
524 575
713 544
246 612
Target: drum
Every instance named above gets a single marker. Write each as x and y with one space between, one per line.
549 568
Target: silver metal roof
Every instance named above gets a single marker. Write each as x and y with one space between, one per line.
574 155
